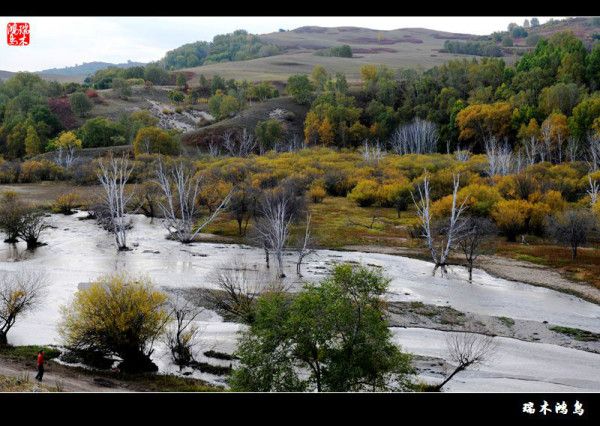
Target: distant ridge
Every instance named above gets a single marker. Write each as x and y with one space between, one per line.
88 68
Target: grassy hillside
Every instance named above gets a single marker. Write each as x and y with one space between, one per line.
248 118
583 27
409 47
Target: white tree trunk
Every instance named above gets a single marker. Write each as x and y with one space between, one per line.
455 225
113 176
180 188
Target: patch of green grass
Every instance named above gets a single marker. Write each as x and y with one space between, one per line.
28 353
338 222
443 314
509 322
452 317
169 383
576 333
532 259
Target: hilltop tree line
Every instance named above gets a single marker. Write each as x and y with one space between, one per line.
236 46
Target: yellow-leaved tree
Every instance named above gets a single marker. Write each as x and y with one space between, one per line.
117 315
511 217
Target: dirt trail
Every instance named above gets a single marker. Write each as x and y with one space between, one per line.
58 376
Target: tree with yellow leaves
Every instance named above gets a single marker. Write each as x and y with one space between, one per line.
33 144
311 127
530 138
117 315
479 121
326 133
511 217
554 132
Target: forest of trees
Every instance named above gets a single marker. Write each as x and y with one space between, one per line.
236 46
551 94
477 48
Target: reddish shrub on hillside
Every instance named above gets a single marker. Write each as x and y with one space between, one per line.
62 109
91 93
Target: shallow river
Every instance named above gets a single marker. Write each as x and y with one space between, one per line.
78 251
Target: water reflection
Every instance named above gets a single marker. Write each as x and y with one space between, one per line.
15 252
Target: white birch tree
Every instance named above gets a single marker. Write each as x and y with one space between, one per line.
418 137
273 227
181 187
593 190
500 157
113 175
440 245
304 247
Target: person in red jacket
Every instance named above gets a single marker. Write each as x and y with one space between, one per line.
40 366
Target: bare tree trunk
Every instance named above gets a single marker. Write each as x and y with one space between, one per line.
180 188
456 371
267 256
304 247
455 226
273 227
593 191
113 177
417 137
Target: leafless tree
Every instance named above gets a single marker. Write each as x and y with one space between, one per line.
467 349
181 187
546 134
453 232
20 293
229 142
113 175
237 288
531 150
593 190
477 230
273 226
180 338
462 155
304 247
499 156
372 152
33 223
594 151
213 149
418 137
572 227
242 146
65 157
293 143
573 151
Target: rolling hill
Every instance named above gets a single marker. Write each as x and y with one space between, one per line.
408 47
401 48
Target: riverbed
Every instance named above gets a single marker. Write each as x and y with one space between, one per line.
78 251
